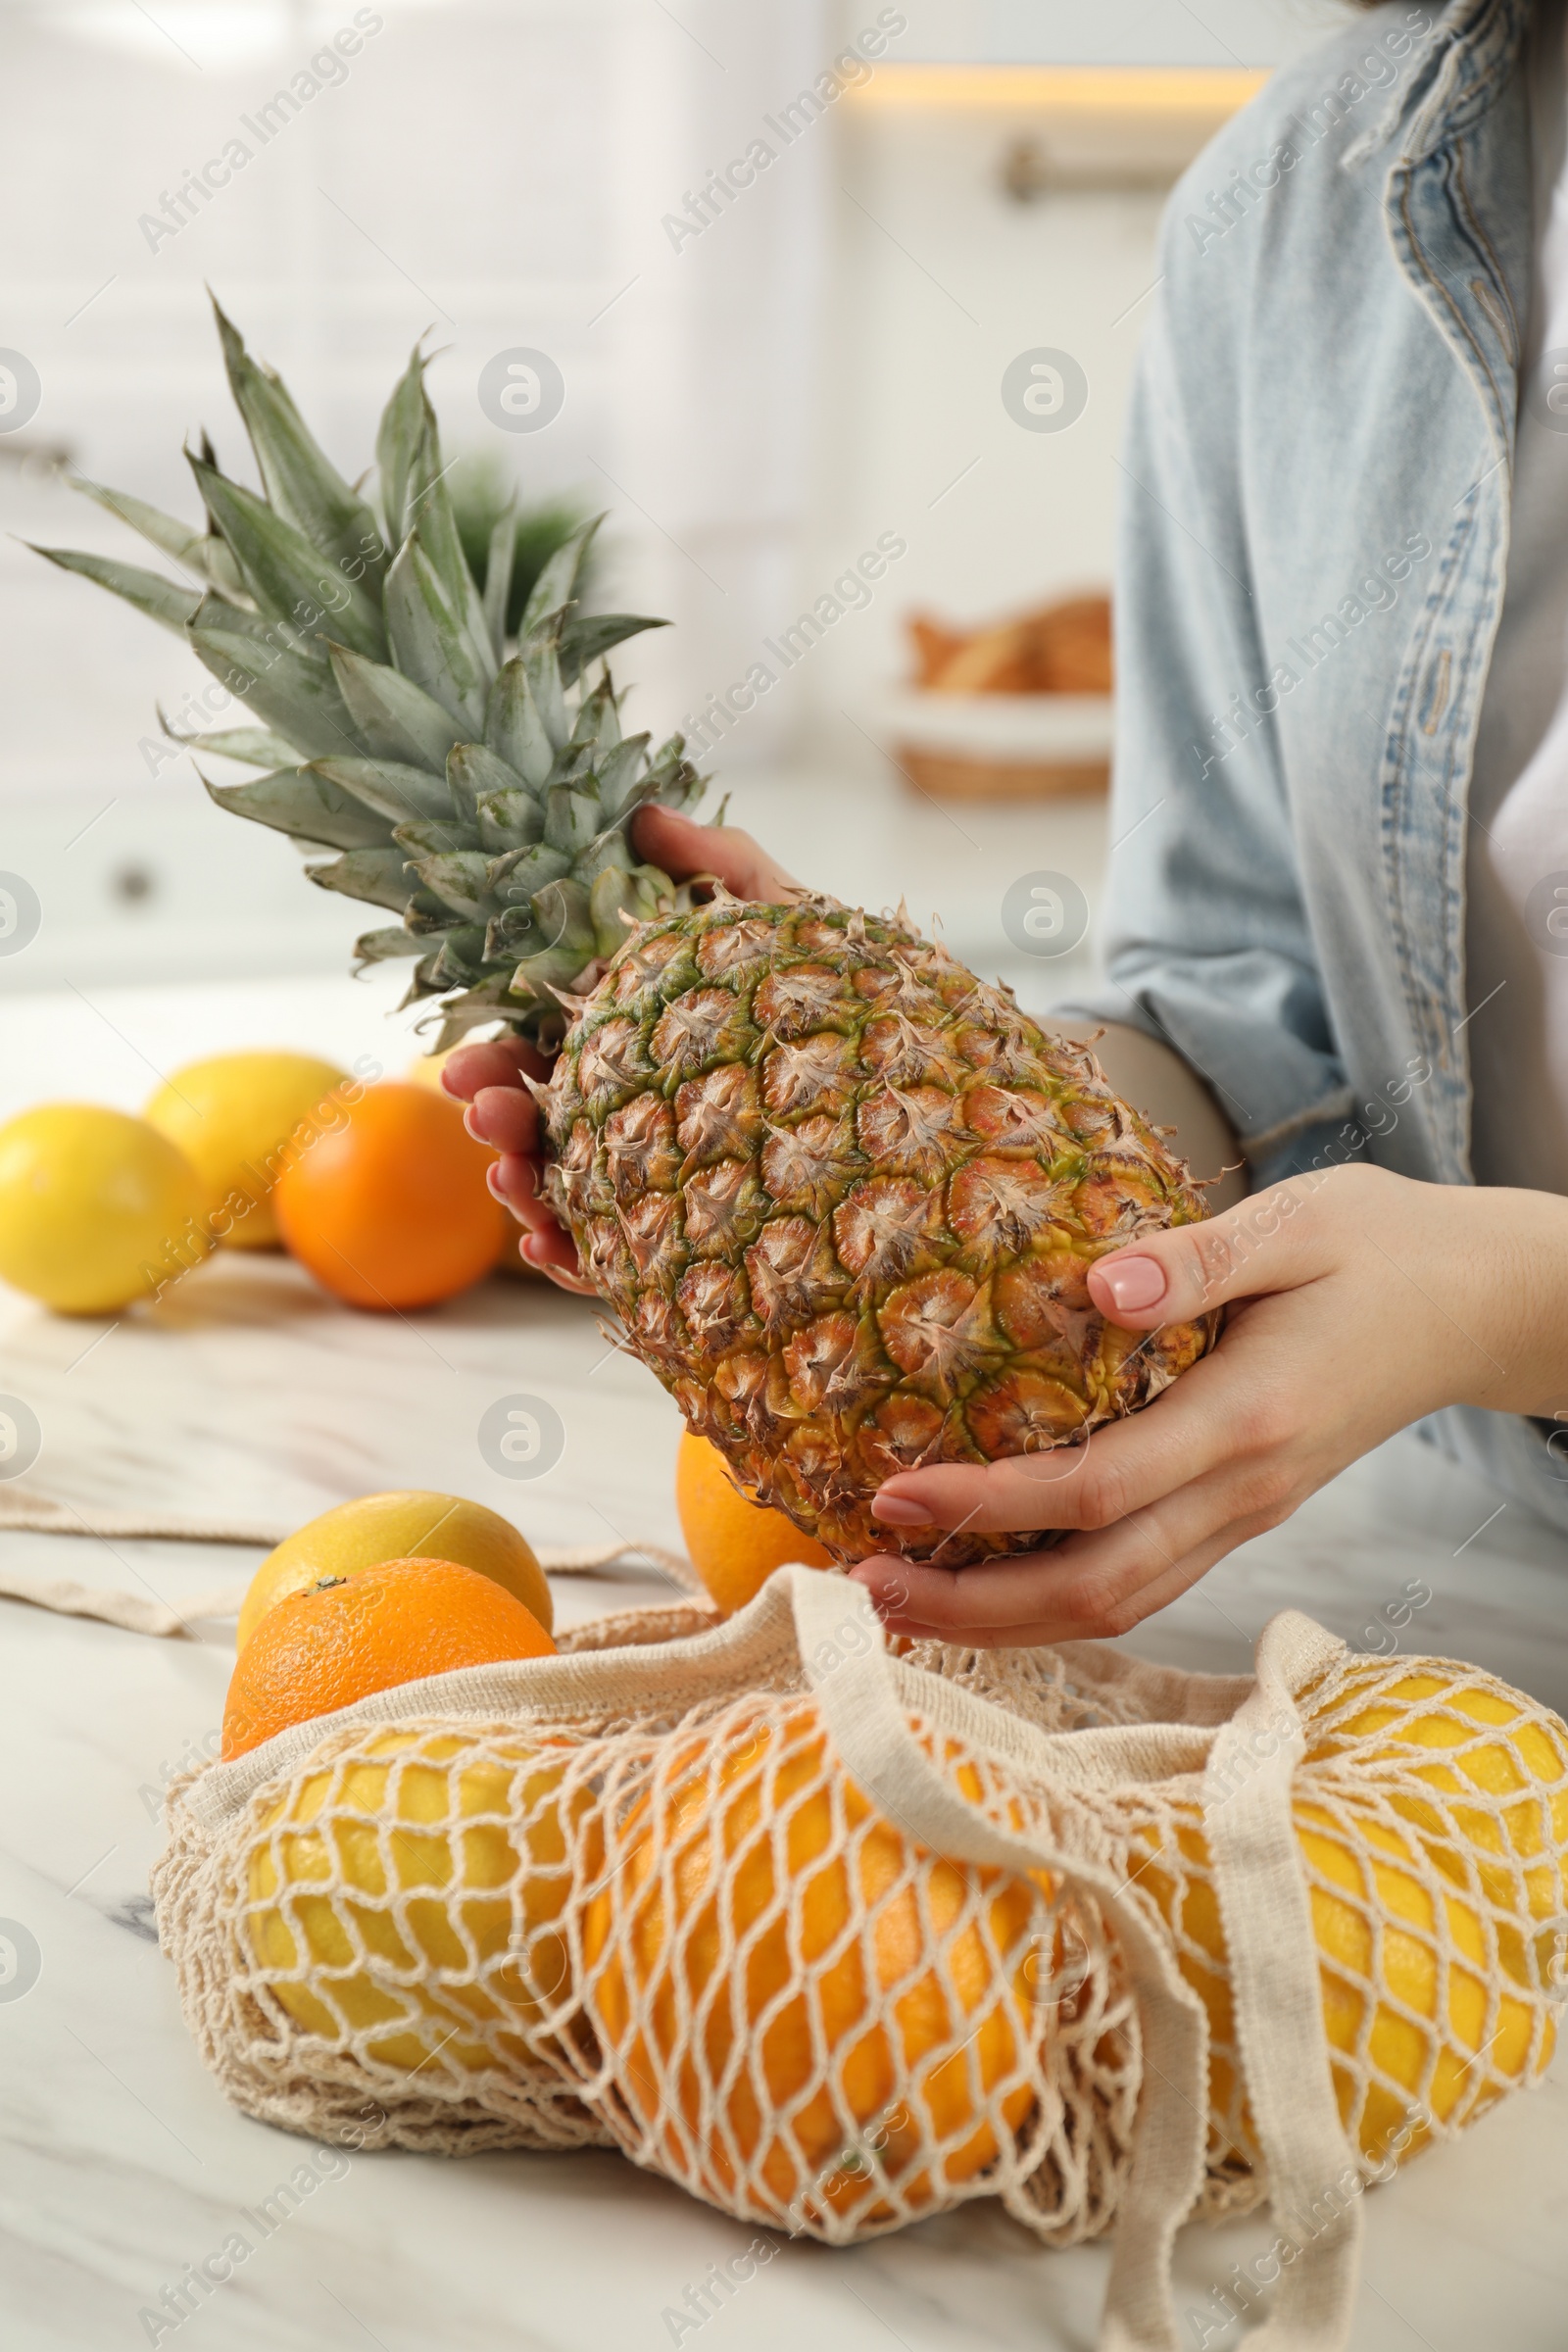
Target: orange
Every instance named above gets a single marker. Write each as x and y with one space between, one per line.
346 1637
734 1543
702 1896
391 1209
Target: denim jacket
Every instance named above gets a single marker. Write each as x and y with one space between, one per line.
1313 542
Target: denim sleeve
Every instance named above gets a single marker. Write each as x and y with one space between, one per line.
1207 942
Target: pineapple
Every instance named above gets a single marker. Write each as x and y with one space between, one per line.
484 799
842 1196
480 494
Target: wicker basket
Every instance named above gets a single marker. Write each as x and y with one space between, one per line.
999 747
972 776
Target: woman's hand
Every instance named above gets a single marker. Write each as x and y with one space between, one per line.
680 847
1357 1300
488 1077
502 1114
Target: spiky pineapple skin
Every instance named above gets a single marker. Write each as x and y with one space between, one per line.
842 1198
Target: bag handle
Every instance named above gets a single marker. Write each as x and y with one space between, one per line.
843 1654
1269 1929
1275 1993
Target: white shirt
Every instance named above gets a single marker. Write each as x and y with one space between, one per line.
1517 896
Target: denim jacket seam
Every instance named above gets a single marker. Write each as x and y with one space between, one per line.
1430 109
1447 1046
1476 663
1465 85
1499 280
1396 785
1413 244
1430 999
1454 1061
1398 800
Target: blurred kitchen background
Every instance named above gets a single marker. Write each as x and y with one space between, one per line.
761 391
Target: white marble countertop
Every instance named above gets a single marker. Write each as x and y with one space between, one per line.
248 1394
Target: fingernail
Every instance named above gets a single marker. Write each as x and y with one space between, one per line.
898 1511
1135 1283
467 1121
492 1177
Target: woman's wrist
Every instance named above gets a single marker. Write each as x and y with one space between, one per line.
1478 1280
1510 1249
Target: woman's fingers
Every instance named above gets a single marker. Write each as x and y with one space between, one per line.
1032 1631
1223 1407
1090 1587
513 1178
1033 1490
682 847
1277 1241
489 1077
504 1117
1078 1586
550 1252
497 1062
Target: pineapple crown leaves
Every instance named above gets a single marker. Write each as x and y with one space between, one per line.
479 788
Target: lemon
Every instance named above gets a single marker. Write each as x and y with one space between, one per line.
411 1525
96 1208
230 1115
464 1879
1387 1986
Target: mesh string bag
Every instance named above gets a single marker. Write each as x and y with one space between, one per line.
837 1938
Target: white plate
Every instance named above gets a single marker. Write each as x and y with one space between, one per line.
1001 726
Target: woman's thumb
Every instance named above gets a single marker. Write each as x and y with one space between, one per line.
682 847
1175 1276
